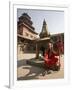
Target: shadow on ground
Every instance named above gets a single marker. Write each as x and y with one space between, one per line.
21 62
33 73
7 86
34 70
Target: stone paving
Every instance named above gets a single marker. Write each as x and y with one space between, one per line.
29 72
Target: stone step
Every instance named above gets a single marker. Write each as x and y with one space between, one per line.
36 63
40 64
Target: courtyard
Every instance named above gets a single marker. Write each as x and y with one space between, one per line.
31 72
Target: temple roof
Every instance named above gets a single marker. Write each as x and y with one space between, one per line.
43 39
26 15
25 20
22 36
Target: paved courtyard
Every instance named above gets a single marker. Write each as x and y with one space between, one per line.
29 72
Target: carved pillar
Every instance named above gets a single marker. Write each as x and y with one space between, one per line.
37 51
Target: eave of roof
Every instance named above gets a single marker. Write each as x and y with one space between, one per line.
28 28
21 36
43 39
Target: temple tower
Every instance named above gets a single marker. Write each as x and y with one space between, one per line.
44 33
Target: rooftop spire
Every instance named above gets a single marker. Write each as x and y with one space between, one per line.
44 22
44 32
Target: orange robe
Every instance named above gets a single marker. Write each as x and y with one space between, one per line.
50 59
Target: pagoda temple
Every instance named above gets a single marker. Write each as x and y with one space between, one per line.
26 34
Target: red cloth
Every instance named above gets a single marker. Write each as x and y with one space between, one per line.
50 60
60 46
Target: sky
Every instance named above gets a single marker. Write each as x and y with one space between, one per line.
54 19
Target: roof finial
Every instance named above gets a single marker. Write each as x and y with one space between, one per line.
44 22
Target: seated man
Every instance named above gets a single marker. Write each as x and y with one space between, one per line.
51 57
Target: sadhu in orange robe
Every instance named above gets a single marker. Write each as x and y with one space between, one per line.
50 58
